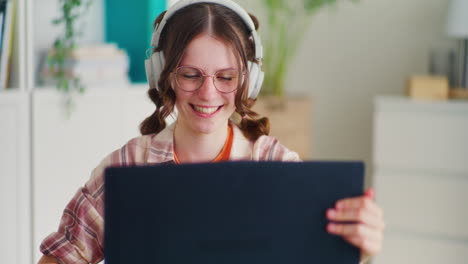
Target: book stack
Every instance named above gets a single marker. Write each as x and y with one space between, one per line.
103 65
7 18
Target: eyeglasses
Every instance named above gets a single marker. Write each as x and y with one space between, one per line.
191 79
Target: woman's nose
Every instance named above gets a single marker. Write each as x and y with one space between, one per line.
207 89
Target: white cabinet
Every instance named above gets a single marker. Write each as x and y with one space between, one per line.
67 149
15 225
421 178
15 152
45 155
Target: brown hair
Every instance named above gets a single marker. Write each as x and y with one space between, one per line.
180 29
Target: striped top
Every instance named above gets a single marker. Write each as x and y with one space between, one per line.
80 236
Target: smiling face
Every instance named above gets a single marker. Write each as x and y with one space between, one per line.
206 110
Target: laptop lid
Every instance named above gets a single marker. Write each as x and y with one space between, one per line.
237 212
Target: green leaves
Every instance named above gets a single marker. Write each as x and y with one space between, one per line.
275 4
71 11
287 22
312 5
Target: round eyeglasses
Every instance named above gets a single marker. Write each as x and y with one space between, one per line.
191 79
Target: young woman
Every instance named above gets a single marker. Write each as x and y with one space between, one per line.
206 64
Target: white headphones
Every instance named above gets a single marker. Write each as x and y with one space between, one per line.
155 64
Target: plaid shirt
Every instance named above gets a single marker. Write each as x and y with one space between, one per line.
80 239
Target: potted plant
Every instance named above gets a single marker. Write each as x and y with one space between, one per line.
287 20
71 12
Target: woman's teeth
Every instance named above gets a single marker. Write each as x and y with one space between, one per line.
205 110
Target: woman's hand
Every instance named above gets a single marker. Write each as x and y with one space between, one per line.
366 229
48 260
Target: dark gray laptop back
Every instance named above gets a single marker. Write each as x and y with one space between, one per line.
223 213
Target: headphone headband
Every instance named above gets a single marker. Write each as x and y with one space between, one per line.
227 3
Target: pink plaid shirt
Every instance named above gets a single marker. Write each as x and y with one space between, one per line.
80 239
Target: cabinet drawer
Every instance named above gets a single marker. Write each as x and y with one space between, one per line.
423 202
404 249
8 181
421 140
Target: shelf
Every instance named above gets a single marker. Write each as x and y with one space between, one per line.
93 90
406 104
12 94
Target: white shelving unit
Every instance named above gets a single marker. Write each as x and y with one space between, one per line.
46 156
421 179
15 150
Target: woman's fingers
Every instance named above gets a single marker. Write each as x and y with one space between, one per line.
368 247
359 220
355 215
361 202
359 209
370 193
368 239
351 230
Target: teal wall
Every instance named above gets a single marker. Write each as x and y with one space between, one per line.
130 24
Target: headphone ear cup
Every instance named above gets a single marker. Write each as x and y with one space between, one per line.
258 85
149 73
162 61
254 73
153 72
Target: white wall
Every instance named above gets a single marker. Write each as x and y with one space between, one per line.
350 53
353 52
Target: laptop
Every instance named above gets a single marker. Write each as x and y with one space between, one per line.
227 213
